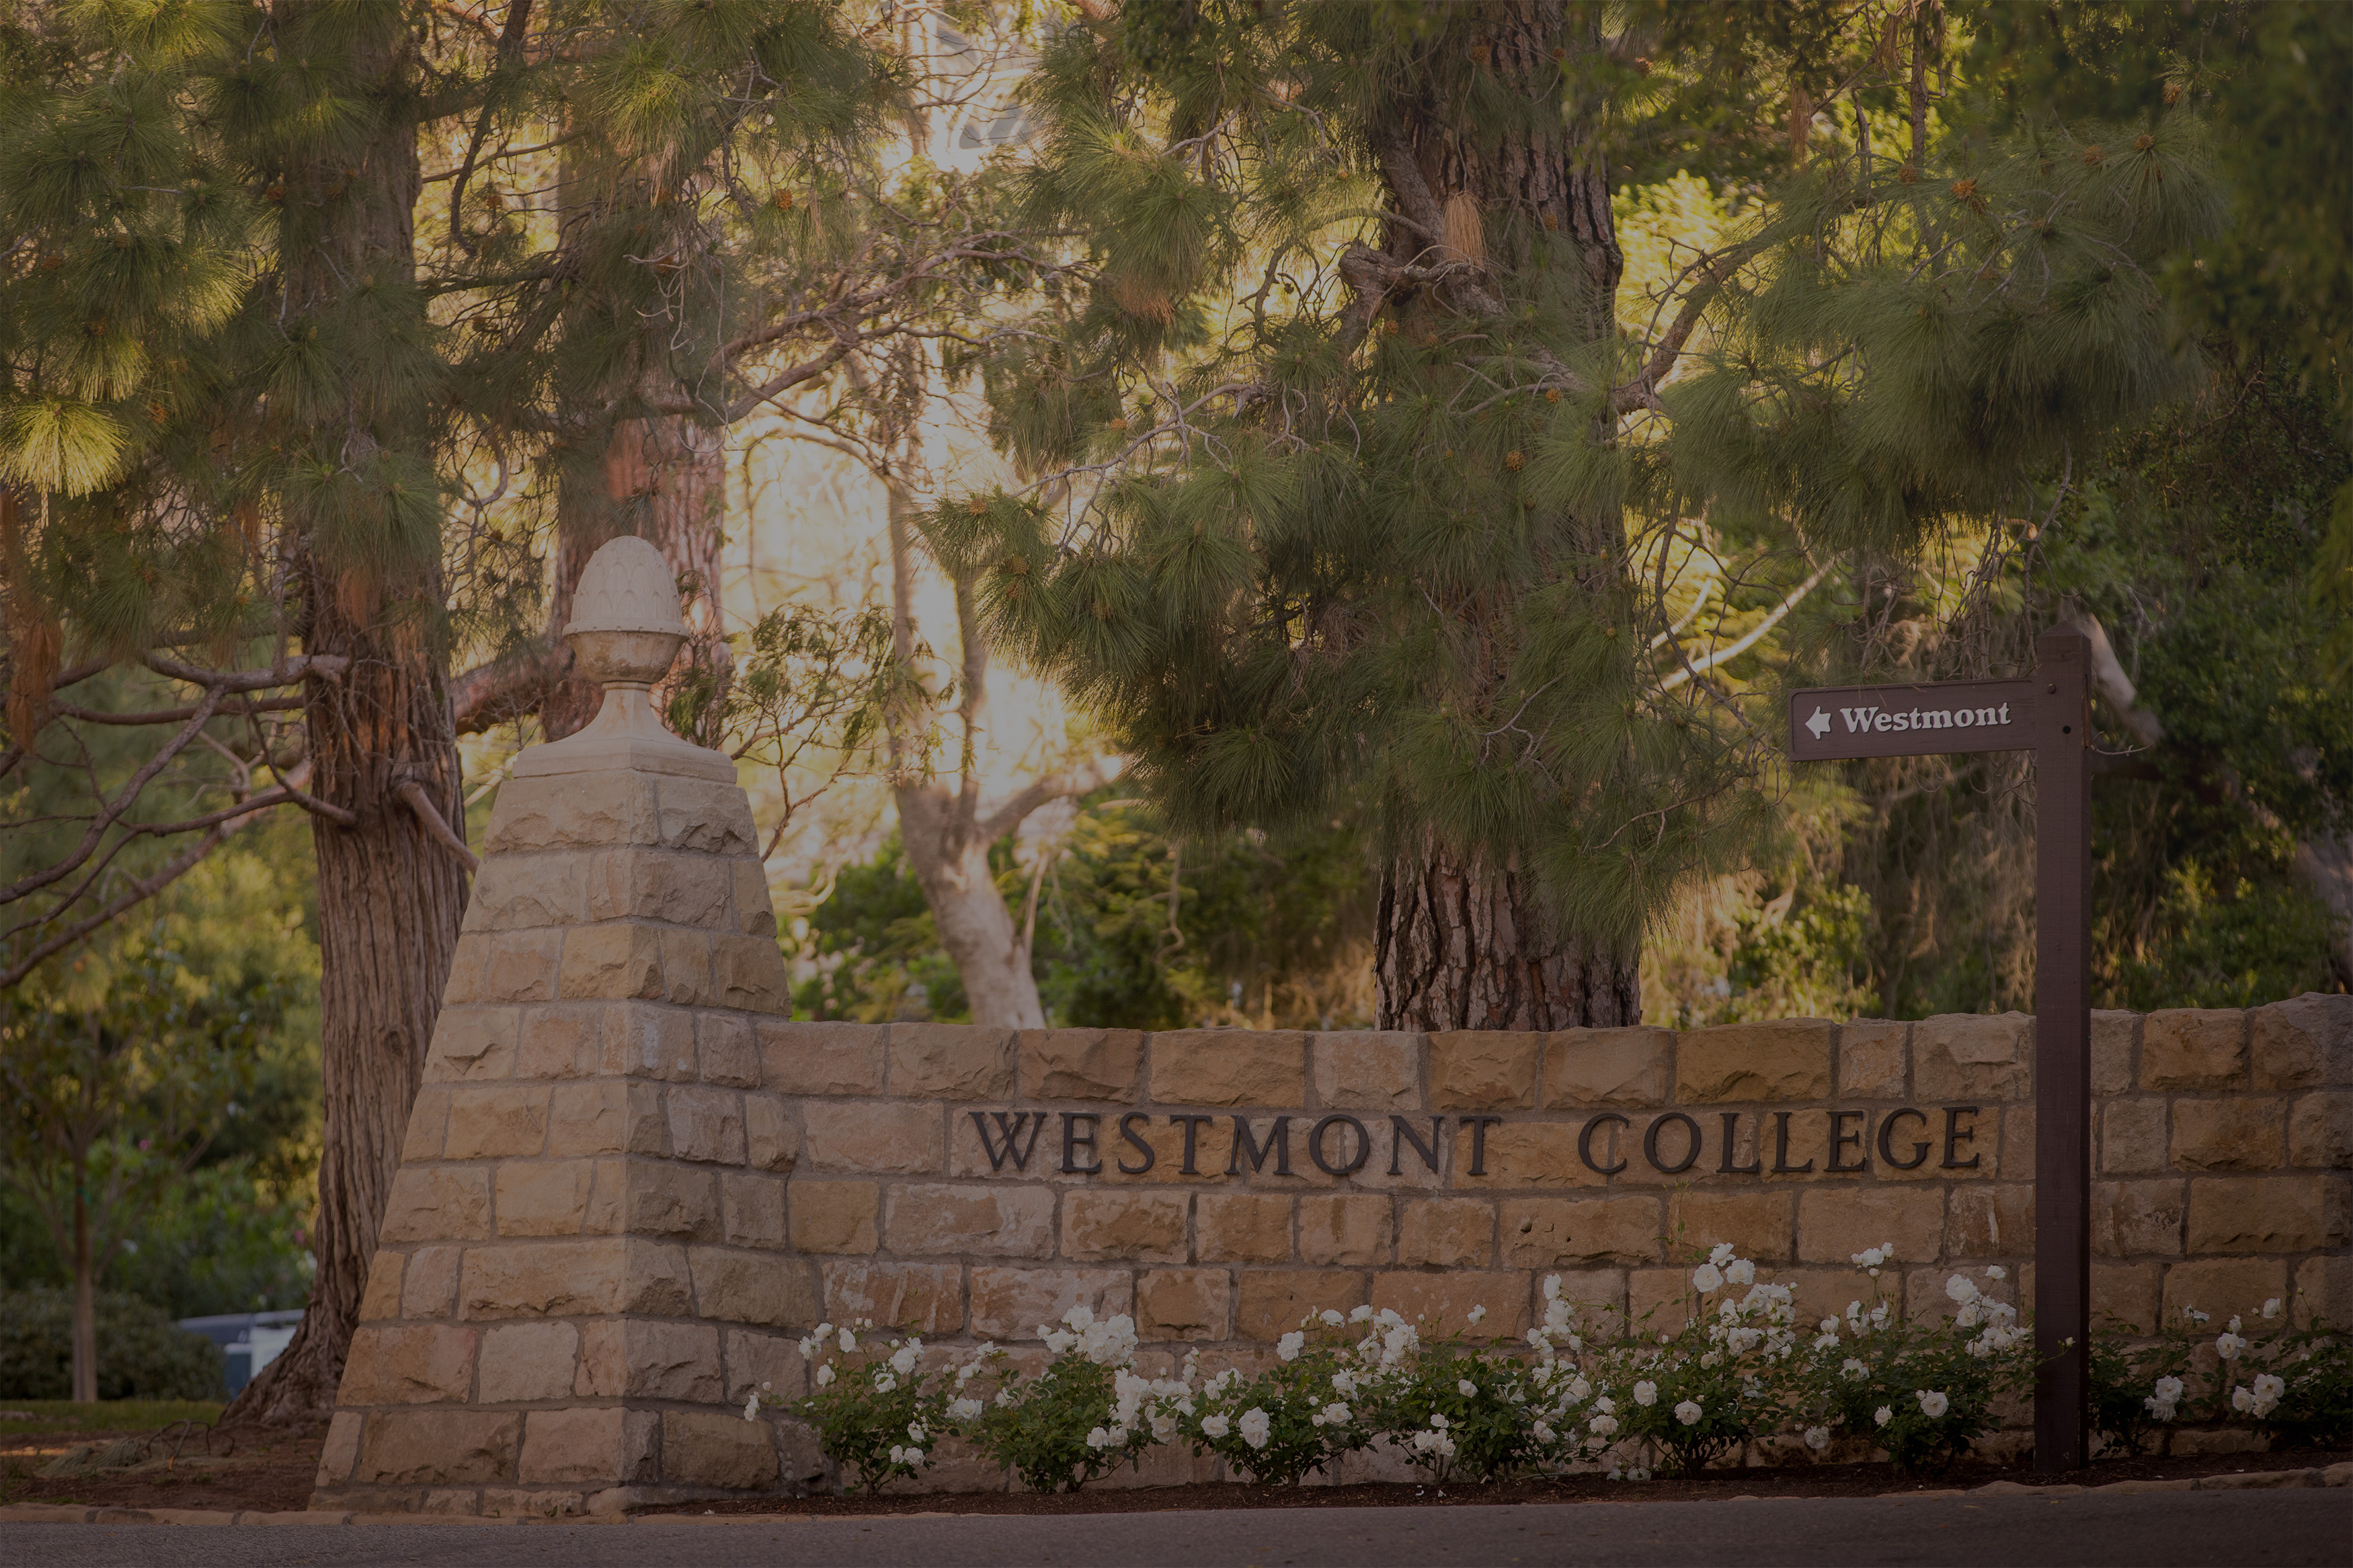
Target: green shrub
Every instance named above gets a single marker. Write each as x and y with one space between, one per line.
1086 1414
141 1353
1300 1414
876 1411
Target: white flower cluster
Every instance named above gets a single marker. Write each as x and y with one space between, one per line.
1999 1317
1106 1342
2162 1402
1933 1403
1140 1403
2261 1399
1871 1258
1435 1439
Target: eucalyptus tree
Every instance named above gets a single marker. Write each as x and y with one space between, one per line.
1350 469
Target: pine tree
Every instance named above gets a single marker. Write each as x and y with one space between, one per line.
309 304
1374 486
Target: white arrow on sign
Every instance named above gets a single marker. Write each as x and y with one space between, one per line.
1820 723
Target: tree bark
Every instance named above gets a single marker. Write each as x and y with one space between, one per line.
1466 947
1463 944
85 1308
389 897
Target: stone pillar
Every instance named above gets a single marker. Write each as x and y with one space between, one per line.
583 1268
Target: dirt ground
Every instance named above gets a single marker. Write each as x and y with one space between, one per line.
186 1466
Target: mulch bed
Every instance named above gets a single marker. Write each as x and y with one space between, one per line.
1803 1480
247 1467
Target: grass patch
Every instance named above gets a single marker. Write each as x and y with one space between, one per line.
106 1416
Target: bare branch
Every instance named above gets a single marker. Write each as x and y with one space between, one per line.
436 827
1082 780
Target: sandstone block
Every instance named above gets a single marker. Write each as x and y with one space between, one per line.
2017 1156
1973 1057
572 1278
562 1040
752 1287
1659 1301
950 1061
496 1121
919 1297
1871 1058
754 1209
1099 1065
989 1221
465 982
1607 1067
2324 1290
1590 1290
1367 1070
1788 1059
428 1286
1229 1066
1243 1228
1443 1302
771 1141
1148 1226
725 1050
646 1041
676 1200
2233 1134
1984 1221
878 1136
755 914
543 1197
521 966
1836 1223
2194 1049
707 1449
516 891
2222 1286
1270 1302
706 1124
570 811
437 1203
686 970
1530 1154
819 1058
632 1358
428 1123
1447 1233
2267 1214
755 1359
1010 1303
523 1363
391 1365
2132 1135
342 1449
705 816
2305 1042
2137 1219
381 1299
2125 1295
835 1217
606 1118
472 1043
1541 1232
1183 1303
748 973
2320 1130
614 962
1484 1069
2113 1034
427 1448
646 884
1351 1230
1757 1225
583 1443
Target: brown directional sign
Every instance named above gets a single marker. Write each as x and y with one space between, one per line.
1833 723
2048 715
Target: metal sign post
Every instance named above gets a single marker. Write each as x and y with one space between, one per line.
2049 715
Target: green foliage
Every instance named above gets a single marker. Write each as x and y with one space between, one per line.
1083 1416
1303 1413
877 1414
141 1353
2130 1381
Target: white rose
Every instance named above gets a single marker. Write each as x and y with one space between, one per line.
2229 1345
1255 1426
1818 1438
1740 1271
1882 1416
1335 1415
824 1374
1289 1346
1466 1388
1933 1403
964 1409
1720 1254
1603 1424
2271 1308
1689 1413
1329 1318
914 1456
1478 1313
1869 1257
1961 1289
1996 1271
1215 1425
848 1343
1646 1393
885 1384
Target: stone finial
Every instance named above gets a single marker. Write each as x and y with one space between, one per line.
625 631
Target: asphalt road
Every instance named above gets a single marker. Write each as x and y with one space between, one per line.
2299 1527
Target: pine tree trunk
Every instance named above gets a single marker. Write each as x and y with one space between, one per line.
85 1308
1462 944
1464 947
389 897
